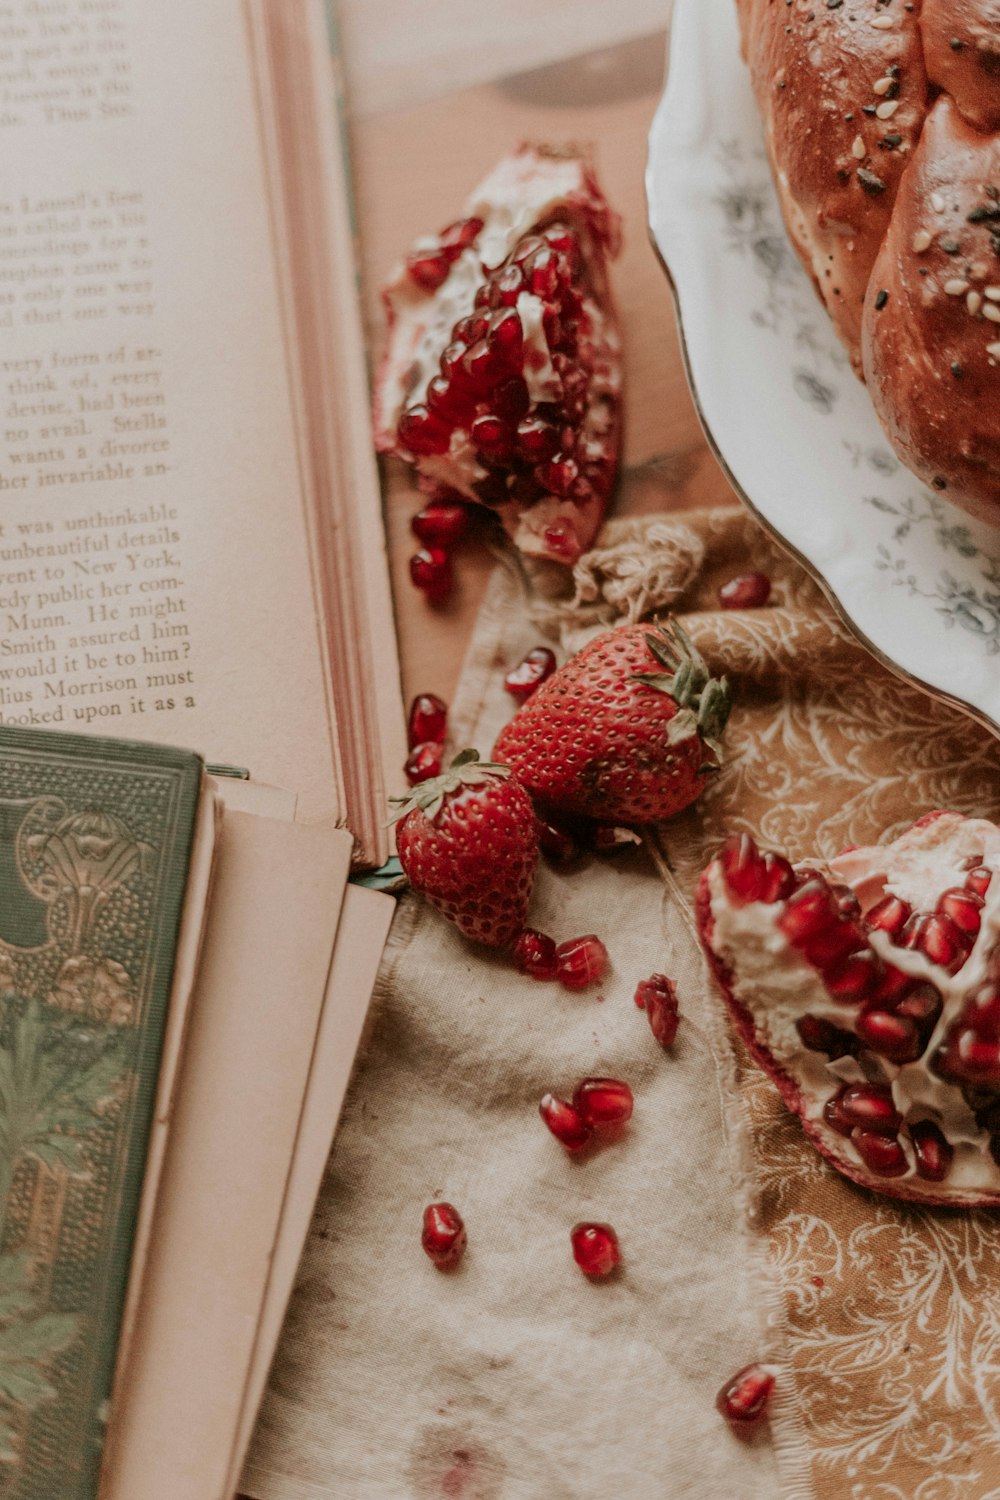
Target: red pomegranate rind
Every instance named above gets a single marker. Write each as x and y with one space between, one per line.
522 413
913 1036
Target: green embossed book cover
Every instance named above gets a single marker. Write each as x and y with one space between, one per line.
95 843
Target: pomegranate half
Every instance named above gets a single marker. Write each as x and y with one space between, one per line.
501 380
868 987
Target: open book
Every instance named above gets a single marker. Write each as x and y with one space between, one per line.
190 535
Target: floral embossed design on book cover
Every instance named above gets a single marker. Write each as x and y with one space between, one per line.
95 839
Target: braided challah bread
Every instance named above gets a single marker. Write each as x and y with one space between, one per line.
882 120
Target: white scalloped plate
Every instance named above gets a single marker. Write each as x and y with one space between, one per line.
915 578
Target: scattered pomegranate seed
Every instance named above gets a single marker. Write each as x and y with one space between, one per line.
423 762
442 524
603 1101
595 1249
444 1238
817 1281
581 961
934 1154
522 680
428 721
557 842
535 954
430 570
565 1122
657 996
745 591
744 1398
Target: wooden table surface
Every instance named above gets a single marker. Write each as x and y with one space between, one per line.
414 166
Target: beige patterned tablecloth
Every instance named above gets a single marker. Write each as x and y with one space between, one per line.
516 1379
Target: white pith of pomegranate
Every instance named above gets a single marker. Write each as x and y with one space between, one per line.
868 987
502 376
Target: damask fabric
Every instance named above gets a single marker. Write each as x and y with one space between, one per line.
515 1378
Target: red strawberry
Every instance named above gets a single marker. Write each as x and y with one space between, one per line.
625 732
468 841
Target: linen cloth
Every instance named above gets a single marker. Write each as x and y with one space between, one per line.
515 1378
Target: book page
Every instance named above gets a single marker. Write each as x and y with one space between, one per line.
154 573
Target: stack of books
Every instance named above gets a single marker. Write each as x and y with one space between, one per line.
191 554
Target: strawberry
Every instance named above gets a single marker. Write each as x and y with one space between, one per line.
625 732
468 842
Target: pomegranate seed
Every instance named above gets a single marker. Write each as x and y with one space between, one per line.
892 1036
428 269
430 570
595 1249
743 868
423 762
511 401
809 913
506 338
557 842
745 591
559 537
603 1101
537 441
581 961
492 437
557 476
890 915
460 235
892 985
834 1115
535 954
565 1122
822 1036
453 354
978 880
778 881
963 907
447 401
870 1107
744 1398
522 680
506 286
855 978
444 1238
421 432
428 720
847 902
657 996
979 1058
934 1154
922 1005
441 525
983 1015
541 269
560 237
880 1153
937 936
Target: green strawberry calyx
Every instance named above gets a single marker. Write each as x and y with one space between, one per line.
465 770
703 702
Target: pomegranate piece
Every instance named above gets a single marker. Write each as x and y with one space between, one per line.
501 380
522 680
442 524
745 591
892 1068
444 1238
581 961
595 1249
427 722
423 762
535 954
430 571
657 996
743 1400
566 1122
603 1101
